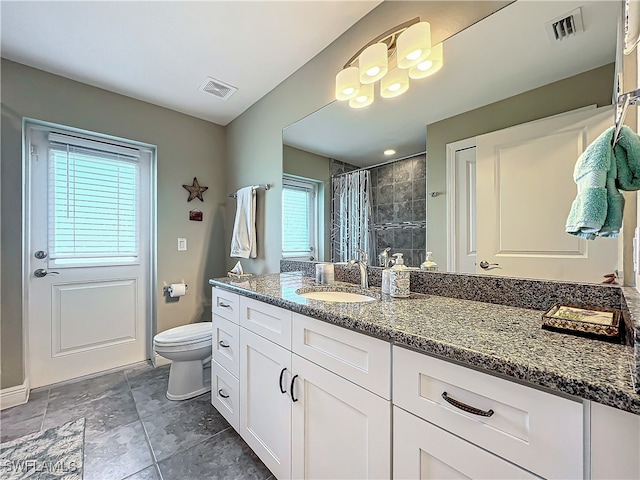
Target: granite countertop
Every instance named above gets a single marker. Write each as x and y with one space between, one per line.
496 338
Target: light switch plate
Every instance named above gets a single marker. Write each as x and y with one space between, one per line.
182 244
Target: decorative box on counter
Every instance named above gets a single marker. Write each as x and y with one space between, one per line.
599 323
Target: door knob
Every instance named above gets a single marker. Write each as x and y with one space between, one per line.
41 272
486 265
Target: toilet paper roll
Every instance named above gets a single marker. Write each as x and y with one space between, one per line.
177 289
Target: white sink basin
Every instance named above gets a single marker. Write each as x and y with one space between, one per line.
335 296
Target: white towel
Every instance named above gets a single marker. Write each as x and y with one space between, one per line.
243 239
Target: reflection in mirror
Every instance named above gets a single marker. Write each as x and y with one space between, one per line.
504 71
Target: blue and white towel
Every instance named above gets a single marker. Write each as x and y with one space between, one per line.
597 209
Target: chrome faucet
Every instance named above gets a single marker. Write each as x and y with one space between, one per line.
363 263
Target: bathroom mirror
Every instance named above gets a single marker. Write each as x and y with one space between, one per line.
505 70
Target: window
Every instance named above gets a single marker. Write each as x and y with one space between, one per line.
93 201
299 218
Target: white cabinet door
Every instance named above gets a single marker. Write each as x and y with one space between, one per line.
529 161
615 443
424 451
339 430
265 404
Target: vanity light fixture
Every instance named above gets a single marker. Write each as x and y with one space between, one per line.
394 57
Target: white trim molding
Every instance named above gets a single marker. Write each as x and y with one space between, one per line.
12 396
451 149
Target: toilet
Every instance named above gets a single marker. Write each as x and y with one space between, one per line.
189 349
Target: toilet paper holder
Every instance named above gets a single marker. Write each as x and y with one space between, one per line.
166 287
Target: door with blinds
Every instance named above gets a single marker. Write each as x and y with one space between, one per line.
89 234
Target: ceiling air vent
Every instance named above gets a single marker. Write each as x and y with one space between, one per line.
217 88
565 26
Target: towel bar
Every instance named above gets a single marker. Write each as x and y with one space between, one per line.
255 187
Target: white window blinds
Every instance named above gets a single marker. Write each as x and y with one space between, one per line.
298 219
93 202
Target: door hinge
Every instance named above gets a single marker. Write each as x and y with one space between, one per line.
34 153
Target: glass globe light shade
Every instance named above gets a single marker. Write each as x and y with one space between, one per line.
394 83
347 83
364 97
373 63
413 45
430 65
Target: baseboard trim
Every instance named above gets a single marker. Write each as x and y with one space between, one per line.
159 360
12 396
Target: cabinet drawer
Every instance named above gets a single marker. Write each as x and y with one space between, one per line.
226 344
225 394
424 451
541 432
268 321
226 304
364 360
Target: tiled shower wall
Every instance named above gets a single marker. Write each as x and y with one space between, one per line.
400 208
398 198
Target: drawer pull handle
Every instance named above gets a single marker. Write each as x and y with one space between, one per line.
223 345
293 398
465 407
225 305
222 394
283 390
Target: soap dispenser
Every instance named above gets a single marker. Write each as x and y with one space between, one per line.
399 279
429 265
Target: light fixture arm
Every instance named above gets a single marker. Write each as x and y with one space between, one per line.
389 37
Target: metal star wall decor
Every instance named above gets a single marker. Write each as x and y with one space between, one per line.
195 190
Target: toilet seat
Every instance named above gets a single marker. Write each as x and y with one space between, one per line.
185 335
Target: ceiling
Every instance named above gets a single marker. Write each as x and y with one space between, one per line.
162 51
503 55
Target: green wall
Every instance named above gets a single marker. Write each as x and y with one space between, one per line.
594 87
186 147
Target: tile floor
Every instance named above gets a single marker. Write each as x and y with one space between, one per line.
133 431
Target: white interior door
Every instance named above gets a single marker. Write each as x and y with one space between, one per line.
525 189
461 206
88 254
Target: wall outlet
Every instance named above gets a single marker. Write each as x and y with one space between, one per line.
182 244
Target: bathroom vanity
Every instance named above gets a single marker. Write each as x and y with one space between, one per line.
424 387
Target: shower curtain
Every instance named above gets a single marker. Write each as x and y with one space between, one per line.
351 222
